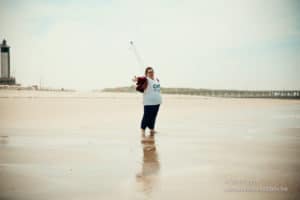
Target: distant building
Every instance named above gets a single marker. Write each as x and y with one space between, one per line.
5 78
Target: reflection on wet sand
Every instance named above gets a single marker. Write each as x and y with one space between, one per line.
148 176
3 139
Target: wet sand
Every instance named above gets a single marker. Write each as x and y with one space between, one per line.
59 145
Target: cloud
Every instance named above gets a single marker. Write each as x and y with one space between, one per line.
84 44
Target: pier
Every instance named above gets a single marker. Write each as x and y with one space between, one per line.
225 93
282 94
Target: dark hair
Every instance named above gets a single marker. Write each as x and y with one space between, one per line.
147 69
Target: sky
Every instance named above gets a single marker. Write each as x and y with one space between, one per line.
217 44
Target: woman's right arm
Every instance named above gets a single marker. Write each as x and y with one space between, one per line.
139 79
134 79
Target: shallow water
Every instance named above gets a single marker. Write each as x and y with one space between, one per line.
88 146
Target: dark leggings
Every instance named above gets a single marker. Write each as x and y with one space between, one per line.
150 113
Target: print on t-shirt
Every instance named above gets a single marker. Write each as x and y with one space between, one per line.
156 87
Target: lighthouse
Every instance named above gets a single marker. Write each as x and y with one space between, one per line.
5 65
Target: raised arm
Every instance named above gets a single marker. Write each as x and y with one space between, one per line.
134 79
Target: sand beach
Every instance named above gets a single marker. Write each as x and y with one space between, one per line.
87 145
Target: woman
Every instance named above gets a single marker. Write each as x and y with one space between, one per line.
151 99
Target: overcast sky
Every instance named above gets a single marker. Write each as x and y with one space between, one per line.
238 44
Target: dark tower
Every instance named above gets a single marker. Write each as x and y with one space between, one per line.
5 65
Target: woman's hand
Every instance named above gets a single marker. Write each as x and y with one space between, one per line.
134 79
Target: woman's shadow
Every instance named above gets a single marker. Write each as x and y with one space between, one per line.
148 176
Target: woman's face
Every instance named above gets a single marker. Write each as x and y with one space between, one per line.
150 73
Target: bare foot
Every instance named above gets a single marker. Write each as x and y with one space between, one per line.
152 132
143 132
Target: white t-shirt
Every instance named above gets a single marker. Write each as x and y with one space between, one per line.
152 93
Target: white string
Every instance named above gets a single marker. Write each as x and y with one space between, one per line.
137 56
